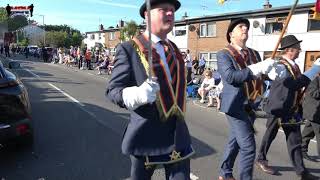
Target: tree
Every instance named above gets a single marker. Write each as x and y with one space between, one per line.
55 38
3 15
76 39
17 22
128 31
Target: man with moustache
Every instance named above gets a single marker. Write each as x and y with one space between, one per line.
240 68
157 133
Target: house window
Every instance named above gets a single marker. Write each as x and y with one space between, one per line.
211 59
111 36
208 30
112 51
313 25
180 32
92 37
99 36
274 24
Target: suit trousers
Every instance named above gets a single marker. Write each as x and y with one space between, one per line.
241 140
293 138
175 171
310 130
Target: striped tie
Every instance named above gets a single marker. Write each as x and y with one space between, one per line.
171 63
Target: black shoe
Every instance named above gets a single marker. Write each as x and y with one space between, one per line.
307 157
263 165
307 176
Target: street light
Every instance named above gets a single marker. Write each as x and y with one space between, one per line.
44 29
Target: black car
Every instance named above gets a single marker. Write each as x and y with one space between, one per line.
15 110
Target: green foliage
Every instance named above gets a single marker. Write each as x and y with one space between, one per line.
128 31
63 39
17 22
3 15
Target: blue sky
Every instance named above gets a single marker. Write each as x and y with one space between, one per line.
86 15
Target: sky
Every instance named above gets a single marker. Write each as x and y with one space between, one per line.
86 15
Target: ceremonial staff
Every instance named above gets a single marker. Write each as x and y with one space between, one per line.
284 28
149 44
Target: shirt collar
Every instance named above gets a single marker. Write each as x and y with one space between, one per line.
155 39
289 60
238 47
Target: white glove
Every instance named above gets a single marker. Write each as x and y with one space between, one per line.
134 96
262 67
314 70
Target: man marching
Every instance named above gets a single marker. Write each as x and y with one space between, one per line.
284 104
157 133
240 69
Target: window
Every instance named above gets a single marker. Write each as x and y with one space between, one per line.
208 30
274 24
211 59
99 36
180 32
92 37
313 25
111 35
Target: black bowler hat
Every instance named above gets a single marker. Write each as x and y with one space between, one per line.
289 41
143 8
234 23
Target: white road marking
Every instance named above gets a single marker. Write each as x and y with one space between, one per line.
35 75
64 93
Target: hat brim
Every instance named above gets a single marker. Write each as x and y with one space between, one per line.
234 23
289 45
143 8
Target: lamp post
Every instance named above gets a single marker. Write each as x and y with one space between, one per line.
44 29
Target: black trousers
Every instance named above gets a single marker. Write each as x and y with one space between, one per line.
310 131
293 138
175 171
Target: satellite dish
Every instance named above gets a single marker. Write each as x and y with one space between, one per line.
192 28
255 24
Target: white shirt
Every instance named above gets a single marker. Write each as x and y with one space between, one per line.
280 70
160 50
188 60
209 82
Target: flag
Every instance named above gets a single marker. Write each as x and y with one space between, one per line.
222 1
317 6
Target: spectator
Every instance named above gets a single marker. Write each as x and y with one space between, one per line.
6 50
188 64
88 59
195 65
103 65
60 53
206 85
202 65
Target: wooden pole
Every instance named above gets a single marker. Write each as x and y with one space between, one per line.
150 42
284 28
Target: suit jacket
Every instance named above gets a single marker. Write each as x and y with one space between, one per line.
283 91
146 134
233 98
311 103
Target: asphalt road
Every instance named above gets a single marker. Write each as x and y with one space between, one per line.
78 133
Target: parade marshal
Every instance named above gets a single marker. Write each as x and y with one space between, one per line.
157 133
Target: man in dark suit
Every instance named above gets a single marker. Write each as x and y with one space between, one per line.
240 68
284 103
157 133
311 112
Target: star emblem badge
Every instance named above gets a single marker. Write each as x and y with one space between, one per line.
175 155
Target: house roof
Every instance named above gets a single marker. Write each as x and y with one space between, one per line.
245 14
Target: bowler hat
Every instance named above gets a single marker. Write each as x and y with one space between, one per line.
234 23
143 7
289 41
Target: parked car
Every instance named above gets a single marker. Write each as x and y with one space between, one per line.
15 110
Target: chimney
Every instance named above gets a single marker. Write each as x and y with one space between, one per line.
121 23
267 5
101 27
184 16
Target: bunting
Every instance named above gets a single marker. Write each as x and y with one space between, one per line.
221 1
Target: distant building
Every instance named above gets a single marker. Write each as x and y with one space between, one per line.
34 33
94 39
